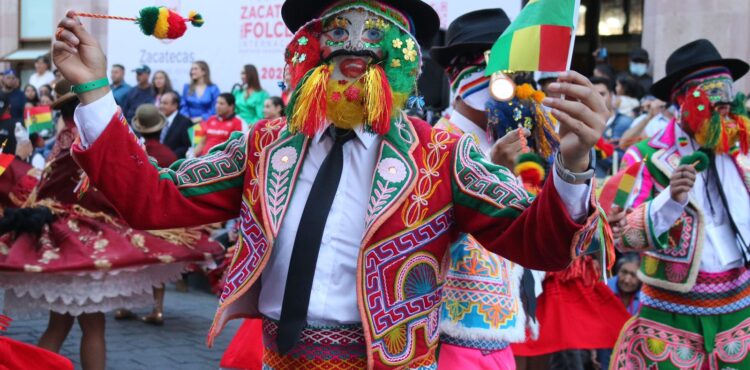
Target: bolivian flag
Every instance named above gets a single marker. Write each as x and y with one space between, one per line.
5 161
539 39
38 119
617 189
196 134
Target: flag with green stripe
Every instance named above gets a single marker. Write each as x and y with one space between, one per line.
616 191
539 39
38 119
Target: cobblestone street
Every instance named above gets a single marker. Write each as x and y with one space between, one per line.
133 345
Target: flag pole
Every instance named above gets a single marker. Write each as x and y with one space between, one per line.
576 14
573 33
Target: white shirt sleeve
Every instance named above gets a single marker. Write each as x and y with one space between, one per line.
664 212
93 118
575 197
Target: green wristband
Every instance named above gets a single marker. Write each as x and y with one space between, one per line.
90 86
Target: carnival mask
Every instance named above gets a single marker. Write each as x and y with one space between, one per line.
356 65
710 111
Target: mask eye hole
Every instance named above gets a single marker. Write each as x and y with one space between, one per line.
372 35
338 34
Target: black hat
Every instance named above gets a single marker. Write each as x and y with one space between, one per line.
691 57
142 69
426 21
639 54
473 32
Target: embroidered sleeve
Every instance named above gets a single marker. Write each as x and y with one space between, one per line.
192 192
493 206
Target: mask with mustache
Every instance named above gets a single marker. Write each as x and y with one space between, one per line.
357 64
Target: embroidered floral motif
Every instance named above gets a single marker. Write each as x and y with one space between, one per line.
139 241
284 159
165 258
261 138
396 63
389 183
410 55
49 256
415 209
392 170
32 268
101 244
103 264
397 43
73 226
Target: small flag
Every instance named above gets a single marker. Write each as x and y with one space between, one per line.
617 189
196 134
38 119
540 39
604 148
5 161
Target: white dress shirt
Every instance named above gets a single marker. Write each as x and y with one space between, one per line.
720 251
333 299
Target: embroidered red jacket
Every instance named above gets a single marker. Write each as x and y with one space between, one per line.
446 187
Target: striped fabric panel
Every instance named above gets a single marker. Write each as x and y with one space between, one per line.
713 294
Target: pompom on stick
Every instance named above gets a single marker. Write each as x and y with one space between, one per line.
158 21
698 159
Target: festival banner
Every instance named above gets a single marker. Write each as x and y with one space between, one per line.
235 33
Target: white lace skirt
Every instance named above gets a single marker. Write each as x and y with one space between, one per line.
33 294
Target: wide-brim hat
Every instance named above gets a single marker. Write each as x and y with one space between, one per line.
148 119
426 23
690 58
63 94
471 33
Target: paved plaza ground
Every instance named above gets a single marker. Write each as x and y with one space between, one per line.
133 345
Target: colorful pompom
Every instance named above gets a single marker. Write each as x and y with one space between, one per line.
530 168
157 21
163 23
698 159
524 91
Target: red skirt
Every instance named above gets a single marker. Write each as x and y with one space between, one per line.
575 311
91 262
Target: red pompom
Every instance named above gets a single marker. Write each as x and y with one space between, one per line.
696 109
177 25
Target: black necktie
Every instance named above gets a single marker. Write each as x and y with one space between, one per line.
307 244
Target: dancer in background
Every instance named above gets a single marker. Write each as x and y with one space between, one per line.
67 254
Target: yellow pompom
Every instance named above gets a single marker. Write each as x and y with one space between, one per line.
539 96
161 29
524 91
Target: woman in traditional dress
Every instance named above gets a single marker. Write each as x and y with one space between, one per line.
67 253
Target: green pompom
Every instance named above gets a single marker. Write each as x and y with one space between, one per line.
147 20
197 20
699 158
530 157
